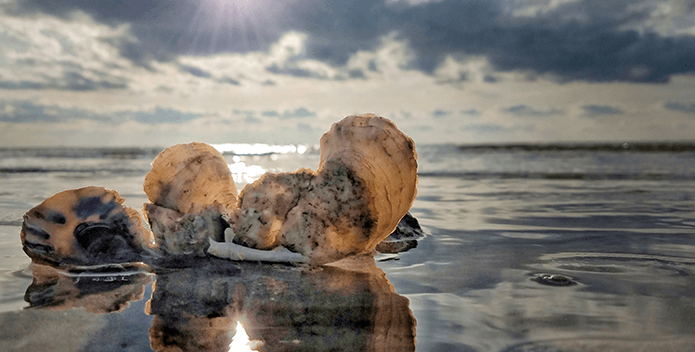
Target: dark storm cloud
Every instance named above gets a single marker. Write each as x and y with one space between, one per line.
680 107
597 110
580 40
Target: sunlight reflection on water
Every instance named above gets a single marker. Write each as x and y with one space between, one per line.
241 341
260 148
243 173
248 160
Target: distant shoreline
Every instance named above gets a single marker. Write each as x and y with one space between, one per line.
669 147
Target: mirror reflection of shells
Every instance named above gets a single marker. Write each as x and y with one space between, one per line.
298 242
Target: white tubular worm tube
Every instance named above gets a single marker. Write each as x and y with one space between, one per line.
233 251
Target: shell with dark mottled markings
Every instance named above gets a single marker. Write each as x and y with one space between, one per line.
86 226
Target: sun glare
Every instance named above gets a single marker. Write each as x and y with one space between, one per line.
241 341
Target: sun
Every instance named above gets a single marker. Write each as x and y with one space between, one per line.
233 25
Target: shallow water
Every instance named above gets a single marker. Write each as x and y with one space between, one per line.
546 249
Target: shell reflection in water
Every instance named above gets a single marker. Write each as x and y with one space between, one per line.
86 226
99 290
348 305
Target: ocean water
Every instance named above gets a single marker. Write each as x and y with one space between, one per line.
528 248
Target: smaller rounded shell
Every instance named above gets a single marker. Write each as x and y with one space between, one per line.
86 226
189 177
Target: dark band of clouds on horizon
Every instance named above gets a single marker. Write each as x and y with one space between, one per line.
600 42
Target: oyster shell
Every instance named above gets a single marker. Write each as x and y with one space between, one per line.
190 177
190 189
86 226
365 183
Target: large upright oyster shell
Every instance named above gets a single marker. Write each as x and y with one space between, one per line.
382 157
86 226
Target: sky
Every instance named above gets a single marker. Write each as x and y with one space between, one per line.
162 72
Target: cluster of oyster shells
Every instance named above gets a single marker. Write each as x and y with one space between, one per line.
364 185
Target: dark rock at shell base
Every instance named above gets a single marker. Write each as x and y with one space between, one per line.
404 238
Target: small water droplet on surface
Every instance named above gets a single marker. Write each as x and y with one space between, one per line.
554 280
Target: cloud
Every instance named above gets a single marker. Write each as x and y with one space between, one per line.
356 73
423 128
303 127
42 52
25 111
74 81
588 40
164 29
524 110
597 110
195 71
437 114
229 80
22 85
578 40
298 113
252 119
470 112
485 128
295 71
490 79
164 116
680 107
